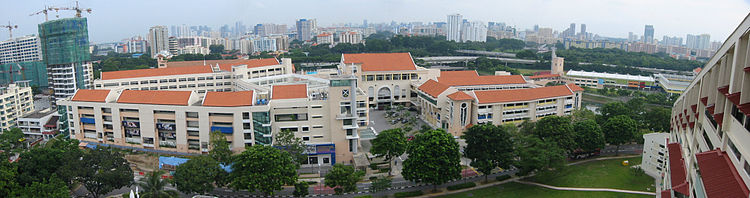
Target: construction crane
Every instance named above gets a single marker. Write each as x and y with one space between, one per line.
46 18
10 29
77 9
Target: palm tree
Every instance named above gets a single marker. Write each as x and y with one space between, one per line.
153 186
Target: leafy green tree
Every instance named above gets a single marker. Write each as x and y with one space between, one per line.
612 109
52 187
526 54
658 119
556 129
343 178
291 144
153 186
434 158
390 144
12 140
263 168
582 114
39 163
216 49
537 155
619 130
301 189
381 184
488 146
105 170
198 175
527 127
8 184
220 148
588 135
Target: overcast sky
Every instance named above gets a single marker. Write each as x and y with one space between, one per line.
115 20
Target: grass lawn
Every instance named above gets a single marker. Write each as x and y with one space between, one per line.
517 190
529 71
598 174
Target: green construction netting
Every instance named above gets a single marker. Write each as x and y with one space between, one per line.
66 41
35 71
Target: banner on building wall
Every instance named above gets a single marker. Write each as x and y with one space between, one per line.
165 126
131 124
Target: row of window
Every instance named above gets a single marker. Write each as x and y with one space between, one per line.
380 77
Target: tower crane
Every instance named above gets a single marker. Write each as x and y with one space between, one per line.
44 11
77 9
10 29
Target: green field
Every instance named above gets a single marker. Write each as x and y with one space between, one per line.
517 190
596 174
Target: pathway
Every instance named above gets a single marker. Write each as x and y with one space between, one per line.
586 189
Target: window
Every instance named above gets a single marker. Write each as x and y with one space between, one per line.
305 129
396 76
388 77
379 77
463 112
290 117
370 78
306 138
191 114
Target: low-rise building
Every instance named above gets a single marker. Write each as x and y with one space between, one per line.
39 124
325 38
603 79
16 100
654 158
673 83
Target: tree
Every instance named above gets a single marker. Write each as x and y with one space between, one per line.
291 144
8 184
488 146
612 109
588 135
380 184
220 148
434 158
216 49
198 175
390 144
52 187
343 178
263 168
39 163
619 130
153 186
526 54
556 129
583 114
301 189
105 170
658 119
537 155
12 140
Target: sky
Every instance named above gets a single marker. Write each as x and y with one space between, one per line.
114 20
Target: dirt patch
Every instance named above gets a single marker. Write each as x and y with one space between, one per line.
143 162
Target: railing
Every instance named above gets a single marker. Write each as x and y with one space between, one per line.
516 107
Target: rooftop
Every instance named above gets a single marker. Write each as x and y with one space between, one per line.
511 95
609 76
289 91
677 169
381 61
460 95
574 87
228 99
169 71
39 114
544 76
157 97
720 177
433 88
226 65
91 95
469 78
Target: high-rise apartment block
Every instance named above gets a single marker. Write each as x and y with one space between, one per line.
16 100
474 31
350 37
708 153
702 41
454 23
21 60
306 29
648 34
158 39
65 49
21 49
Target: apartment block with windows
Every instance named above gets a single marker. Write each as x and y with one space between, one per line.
327 114
710 127
16 100
202 76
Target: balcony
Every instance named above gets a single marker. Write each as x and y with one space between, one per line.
345 116
516 107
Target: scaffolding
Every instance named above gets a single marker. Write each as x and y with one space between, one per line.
65 42
34 71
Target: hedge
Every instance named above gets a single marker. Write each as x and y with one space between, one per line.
503 177
461 186
408 194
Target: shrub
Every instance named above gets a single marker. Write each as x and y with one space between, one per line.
461 186
502 177
385 170
408 194
364 196
373 178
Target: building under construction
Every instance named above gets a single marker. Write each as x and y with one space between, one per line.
33 71
65 51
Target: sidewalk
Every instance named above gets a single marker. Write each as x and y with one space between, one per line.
587 189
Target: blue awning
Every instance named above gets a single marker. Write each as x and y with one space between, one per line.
88 120
227 130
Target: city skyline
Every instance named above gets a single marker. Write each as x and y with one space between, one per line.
671 18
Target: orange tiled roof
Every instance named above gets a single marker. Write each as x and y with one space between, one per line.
289 91
468 78
574 87
158 97
510 95
139 73
228 99
433 88
381 61
544 76
460 95
91 95
324 34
